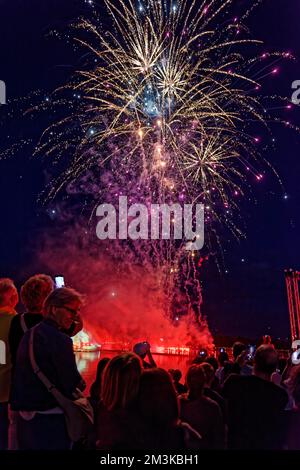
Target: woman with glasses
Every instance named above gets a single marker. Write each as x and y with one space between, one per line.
41 422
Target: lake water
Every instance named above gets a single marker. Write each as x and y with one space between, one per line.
87 363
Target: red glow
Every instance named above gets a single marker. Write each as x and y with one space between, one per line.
136 310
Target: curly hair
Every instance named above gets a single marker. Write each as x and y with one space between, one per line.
35 290
6 287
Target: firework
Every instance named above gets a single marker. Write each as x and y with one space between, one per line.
171 83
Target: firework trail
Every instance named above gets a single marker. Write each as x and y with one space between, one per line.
170 86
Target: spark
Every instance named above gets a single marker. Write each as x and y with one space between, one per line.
169 87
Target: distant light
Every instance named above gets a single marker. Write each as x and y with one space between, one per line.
276 70
285 196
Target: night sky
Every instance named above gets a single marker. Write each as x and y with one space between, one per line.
248 297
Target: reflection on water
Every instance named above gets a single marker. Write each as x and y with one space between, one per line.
87 363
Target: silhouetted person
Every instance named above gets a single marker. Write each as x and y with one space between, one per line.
143 350
158 408
222 359
240 353
118 425
202 413
255 405
209 391
176 376
291 421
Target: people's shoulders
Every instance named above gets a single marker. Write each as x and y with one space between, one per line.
52 337
281 394
232 382
211 406
32 319
268 385
15 322
203 401
272 391
214 395
52 330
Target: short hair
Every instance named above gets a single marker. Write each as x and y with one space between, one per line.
265 359
238 348
121 380
35 290
158 403
6 286
195 380
208 371
176 374
61 297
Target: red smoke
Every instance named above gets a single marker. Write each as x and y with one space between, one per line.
122 306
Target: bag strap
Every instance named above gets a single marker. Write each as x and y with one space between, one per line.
23 324
49 385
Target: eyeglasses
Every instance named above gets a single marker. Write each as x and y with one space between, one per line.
71 310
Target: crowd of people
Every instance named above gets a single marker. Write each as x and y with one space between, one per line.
239 403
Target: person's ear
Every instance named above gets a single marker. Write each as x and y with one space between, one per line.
53 309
